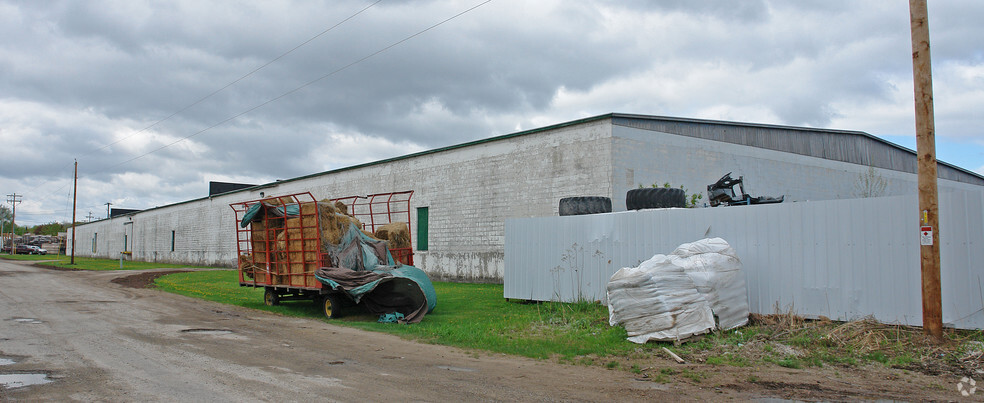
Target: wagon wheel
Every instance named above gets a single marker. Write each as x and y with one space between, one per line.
330 306
270 297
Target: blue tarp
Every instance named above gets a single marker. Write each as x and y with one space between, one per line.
381 288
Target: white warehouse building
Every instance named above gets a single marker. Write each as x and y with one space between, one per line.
464 193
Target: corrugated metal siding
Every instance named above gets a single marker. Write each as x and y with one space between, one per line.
843 259
838 145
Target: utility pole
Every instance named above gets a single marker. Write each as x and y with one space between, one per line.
13 199
75 194
107 209
929 249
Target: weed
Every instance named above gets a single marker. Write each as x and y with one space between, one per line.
695 376
612 365
635 369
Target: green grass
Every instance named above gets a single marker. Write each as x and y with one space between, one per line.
88 263
467 315
477 317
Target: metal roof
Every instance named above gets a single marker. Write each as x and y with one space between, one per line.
839 145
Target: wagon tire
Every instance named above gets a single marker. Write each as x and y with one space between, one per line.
645 198
585 205
270 297
330 306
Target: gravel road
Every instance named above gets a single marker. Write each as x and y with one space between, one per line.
94 340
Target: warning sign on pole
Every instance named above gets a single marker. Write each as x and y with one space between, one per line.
926 236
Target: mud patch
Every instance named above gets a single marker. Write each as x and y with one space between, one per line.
143 280
50 267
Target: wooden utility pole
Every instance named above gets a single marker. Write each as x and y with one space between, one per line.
75 194
929 249
13 199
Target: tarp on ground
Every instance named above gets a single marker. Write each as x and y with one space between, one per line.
675 296
381 288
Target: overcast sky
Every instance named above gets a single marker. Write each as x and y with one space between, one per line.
117 84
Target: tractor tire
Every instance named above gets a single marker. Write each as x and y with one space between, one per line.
585 205
644 198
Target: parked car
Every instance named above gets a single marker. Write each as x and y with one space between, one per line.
30 250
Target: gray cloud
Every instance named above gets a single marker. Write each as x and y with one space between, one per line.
77 76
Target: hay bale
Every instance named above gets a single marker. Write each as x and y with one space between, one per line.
396 233
334 223
341 207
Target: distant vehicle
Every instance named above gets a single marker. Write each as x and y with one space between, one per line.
29 250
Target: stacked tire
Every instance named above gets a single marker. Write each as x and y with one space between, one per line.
645 198
585 205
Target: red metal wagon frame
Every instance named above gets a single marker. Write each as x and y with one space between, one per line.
260 264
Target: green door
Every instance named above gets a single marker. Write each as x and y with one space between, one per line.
421 228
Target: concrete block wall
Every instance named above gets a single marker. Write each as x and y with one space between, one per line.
469 192
643 157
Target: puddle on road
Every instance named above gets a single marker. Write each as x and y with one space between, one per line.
208 331
458 369
28 320
13 381
6 361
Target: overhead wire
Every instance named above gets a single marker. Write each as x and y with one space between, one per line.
213 93
309 83
274 99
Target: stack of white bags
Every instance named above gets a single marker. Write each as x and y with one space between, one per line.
675 296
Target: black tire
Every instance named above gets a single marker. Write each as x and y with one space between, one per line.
585 205
644 198
330 306
270 297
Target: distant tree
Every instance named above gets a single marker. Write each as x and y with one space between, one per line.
870 184
5 218
49 229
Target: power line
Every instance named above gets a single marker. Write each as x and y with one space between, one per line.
302 86
274 99
213 93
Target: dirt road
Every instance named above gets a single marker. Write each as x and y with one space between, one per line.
97 340
81 336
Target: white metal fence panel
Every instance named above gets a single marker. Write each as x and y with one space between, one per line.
843 259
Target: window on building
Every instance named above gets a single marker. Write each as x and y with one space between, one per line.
172 240
95 236
421 228
125 248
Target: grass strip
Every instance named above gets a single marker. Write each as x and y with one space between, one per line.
476 316
88 263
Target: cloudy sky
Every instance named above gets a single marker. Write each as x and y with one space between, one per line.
155 99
